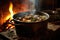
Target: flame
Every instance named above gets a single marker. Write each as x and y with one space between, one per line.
23 8
11 10
11 17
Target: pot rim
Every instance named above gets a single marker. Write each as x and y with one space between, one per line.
33 22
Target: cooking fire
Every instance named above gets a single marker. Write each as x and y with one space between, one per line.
25 6
31 19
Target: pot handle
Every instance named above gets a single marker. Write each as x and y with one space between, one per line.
12 22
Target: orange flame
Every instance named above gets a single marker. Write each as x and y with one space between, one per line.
11 13
11 10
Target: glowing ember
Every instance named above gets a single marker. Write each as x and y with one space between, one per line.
11 10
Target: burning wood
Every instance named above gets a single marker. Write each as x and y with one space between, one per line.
6 26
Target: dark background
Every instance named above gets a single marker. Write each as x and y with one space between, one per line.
46 4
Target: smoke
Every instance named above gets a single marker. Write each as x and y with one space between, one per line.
32 6
38 4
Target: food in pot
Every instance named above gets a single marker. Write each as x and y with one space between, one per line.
31 18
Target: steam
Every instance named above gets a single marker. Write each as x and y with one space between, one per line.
32 6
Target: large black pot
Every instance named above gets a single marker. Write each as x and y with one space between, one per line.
26 29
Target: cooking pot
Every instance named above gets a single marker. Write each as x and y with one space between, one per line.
29 29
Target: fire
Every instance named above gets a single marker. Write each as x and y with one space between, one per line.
23 8
11 9
11 15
